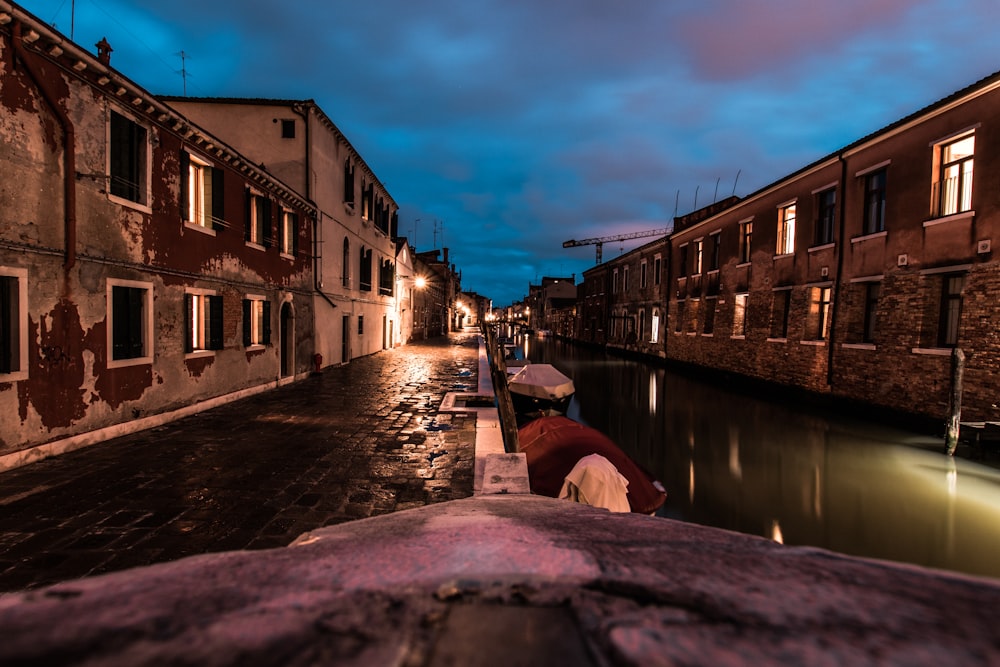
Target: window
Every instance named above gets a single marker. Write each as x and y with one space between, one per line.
625 279
202 321
288 128
698 256
201 192
258 222
740 314
614 281
256 321
786 230
289 239
361 324
657 265
654 334
130 329
714 251
951 309
746 236
365 270
709 327
127 159
682 268
779 313
386 278
679 322
348 182
826 208
954 178
345 270
642 275
642 325
819 312
875 183
872 291
13 324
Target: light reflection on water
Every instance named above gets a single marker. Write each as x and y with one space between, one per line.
759 467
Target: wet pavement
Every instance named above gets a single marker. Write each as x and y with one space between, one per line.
355 441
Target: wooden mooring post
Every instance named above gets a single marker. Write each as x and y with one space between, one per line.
498 373
955 402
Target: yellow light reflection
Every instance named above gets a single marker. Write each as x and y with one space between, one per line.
776 532
653 399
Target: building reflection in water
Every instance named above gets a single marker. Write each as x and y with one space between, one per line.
768 469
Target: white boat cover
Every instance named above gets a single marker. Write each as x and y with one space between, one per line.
541 381
594 480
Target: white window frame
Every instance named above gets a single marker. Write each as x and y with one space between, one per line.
199 193
19 322
787 215
256 321
654 326
147 329
200 325
286 242
961 201
146 170
699 256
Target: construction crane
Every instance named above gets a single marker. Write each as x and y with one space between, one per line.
600 241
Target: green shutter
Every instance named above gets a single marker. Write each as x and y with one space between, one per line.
248 217
295 233
215 323
268 223
267 323
188 333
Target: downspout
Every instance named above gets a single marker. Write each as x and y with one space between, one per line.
69 146
838 281
303 111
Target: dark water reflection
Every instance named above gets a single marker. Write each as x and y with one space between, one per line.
754 466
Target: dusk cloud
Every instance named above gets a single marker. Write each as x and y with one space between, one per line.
518 125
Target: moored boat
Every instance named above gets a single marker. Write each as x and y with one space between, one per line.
540 388
554 445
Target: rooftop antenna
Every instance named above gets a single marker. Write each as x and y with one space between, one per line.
184 71
677 201
715 197
72 19
735 181
697 187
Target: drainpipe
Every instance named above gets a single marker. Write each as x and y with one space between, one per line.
69 144
838 281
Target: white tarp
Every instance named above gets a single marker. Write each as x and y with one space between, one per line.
541 381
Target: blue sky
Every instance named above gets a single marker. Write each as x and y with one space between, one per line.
509 126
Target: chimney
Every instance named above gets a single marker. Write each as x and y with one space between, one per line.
446 256
104 51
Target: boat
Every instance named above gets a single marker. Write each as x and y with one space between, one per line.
554 445
540 388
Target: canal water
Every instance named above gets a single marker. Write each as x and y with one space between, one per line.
756 466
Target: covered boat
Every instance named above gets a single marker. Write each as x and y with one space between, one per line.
554 445
539 388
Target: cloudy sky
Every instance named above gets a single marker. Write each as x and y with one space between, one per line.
504 127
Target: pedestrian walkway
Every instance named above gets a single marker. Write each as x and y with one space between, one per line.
358 440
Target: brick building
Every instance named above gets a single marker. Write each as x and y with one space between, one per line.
858 275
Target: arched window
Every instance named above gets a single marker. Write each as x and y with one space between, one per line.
346 264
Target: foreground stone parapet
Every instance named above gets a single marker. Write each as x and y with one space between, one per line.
511 579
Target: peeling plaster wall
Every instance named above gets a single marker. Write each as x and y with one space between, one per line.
66 387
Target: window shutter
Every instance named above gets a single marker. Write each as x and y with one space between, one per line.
8 304
119 326
248 218
295 233
267 322
218 200
246 322
268 223
188 333
215 322
185 185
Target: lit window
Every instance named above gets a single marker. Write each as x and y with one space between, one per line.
258 222
130 329
289 233
201 192
655 327
819 313
954 186
699 246
786 230
13 324
740 314
127 159
746 236
202 322
256 321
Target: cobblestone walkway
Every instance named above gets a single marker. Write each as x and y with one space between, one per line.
356 441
